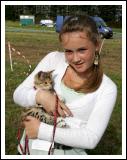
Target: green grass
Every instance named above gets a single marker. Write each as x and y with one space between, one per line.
35 46
17 25
119 30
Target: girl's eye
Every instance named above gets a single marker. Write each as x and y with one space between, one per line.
82 50
68 51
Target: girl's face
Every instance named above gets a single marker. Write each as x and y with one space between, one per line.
79 50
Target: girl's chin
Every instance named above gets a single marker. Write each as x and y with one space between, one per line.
80 69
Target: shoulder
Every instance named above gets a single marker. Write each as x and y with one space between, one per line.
51 61
57 59
107 81
56 55
107 85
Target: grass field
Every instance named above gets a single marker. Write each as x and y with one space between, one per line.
16 24
35 46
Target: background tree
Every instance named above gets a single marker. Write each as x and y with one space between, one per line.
112 14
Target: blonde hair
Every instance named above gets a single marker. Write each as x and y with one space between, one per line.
85 23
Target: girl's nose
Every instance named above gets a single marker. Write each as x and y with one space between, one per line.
76 57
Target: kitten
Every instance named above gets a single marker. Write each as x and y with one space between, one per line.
42 80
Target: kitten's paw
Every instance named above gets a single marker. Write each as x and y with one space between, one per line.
61 123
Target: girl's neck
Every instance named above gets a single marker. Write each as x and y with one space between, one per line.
73 79
83 75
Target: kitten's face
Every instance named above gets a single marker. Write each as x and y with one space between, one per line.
46 84
43 80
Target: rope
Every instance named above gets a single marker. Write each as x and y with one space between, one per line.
13 50
101 46
51 149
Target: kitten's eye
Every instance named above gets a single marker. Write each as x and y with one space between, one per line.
45 82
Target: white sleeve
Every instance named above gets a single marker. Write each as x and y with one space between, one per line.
24 94
89 136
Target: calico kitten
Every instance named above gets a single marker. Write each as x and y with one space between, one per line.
42 80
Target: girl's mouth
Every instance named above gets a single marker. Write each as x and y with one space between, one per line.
79 64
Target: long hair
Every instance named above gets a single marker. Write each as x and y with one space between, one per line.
85 23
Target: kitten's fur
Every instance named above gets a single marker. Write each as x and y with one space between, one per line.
42 80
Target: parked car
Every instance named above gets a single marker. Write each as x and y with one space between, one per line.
47 22
104 30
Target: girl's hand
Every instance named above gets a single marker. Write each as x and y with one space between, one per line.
31 127
63 110
48 101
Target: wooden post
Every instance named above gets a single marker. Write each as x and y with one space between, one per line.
9 48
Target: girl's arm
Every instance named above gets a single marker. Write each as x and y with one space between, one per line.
25 94
89 136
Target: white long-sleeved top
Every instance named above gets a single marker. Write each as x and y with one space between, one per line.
91 112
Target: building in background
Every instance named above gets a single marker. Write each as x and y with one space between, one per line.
27 20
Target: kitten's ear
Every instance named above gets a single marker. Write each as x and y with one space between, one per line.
40 75
50 73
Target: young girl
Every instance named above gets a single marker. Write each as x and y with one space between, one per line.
86 95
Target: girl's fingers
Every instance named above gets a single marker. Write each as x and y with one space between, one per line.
61 112
65 109
28 118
